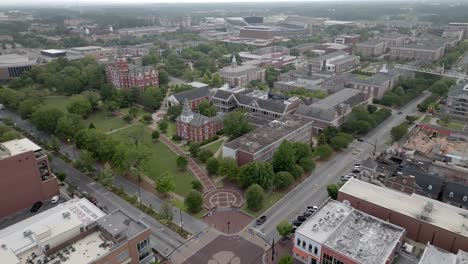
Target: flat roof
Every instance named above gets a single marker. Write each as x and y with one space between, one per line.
13 59
435 255
19 146
442 215
264 136
53 51
357 235
86 48
47 225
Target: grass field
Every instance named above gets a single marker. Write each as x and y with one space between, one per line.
171 129
59 102
161 158
104 123
213 147
270 200
451 125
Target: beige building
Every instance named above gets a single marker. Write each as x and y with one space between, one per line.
13 65
241 75
418 51
370 48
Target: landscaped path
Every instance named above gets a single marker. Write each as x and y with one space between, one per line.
118 129
199 172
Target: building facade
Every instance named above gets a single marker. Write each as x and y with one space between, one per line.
13 65
27 176
123 75
347 39
241 75
337 62
370 48
195 127
194 97
418 52
457 101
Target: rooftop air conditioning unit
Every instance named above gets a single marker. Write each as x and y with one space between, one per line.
66 214
27 233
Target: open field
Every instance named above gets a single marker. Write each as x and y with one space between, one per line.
105 123
161 158
213 147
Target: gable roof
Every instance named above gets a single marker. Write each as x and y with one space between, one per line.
192 94
460 192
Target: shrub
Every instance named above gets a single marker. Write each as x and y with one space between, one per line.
176 138
204 155
212 165
197 185
194 201
297 171
283 179
255 197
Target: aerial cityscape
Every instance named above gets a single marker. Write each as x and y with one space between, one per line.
233 132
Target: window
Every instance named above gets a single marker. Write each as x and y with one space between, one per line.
316 251
330 260
303 244
310 248
404 181
123 256
313 261
143 244
298 241
451 194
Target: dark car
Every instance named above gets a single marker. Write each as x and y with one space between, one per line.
261 220
92 200
307 214
297 223
36 207
301 218
294 229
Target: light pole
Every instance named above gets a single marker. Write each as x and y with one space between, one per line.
135 139
370 143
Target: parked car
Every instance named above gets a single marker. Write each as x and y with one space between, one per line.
55 199
357 166
261 220
400 112
307 214
296 223
312 208
36 207
294 229
92 200
356 171
301 218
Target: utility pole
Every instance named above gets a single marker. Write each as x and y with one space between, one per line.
273 250
181 222
228 223
135 139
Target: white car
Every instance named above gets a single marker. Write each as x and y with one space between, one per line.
55 199
2 107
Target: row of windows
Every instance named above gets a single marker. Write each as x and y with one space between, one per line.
327 259
17 71
310 248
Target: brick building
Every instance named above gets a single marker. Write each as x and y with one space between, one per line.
257 32
262 143
345 39
425 220
77 232
340 234
26 176
123 75
339 61
418 51
194 97
371 48
241 75
195 127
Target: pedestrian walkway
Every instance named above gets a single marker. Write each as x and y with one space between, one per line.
197 170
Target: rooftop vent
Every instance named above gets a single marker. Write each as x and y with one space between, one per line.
27 233
66 214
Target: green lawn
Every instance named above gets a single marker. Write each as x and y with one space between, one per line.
426 120
180 204
161 158
270 200
59 102
451 125
171 128
105 123
213 147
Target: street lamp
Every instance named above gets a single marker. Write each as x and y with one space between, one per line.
138 173
370 143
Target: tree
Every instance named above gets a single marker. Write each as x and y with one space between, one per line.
128 118
155 135
301 150
411 118
166 211
174 111
340 141
163 77
286 260
257 172
399 131
61 176
212 166
197 185
255 197
284 158
93 98
228 167
79 105
283 179
85 162
151 98
371 108
216 80
307 163
68 125
332 190
27 107
284 228
106 176
207 109
206 78
297 171
324 152
182 163
194 201
163 125
236 124
147 118
133 111
91 126
165 183
204 155
194 149
46 118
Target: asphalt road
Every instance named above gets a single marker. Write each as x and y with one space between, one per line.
313 190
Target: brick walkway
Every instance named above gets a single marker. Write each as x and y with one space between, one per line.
199 172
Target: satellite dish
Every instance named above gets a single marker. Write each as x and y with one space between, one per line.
346 202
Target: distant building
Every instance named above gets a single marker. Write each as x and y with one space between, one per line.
123 75
347 39
241 75
26 176
418 51
339 61
332 47
338 233
54 53
425 220
307 82
433 255
13 65
456 105
370 48
254 19
97 52
333 110
195 127
460 26
393 39
193 96
77 232
261 143
144 31
257 32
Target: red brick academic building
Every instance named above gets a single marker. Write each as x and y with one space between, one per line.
123 75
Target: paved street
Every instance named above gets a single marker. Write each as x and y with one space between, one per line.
313 190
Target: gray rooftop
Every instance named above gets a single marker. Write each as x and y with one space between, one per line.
192 94
240 70
13 59
459 90
330 55
118 223
435 255
370 43
266 135
362 237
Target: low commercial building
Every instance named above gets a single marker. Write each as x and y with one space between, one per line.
76 232
345 39
418 51
261 144
242 75
26 176
193 96
338 233
371 48
425 220
331 47
123 75
13 65
195 127
97 52
339 61
435 255
333 110
456 105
